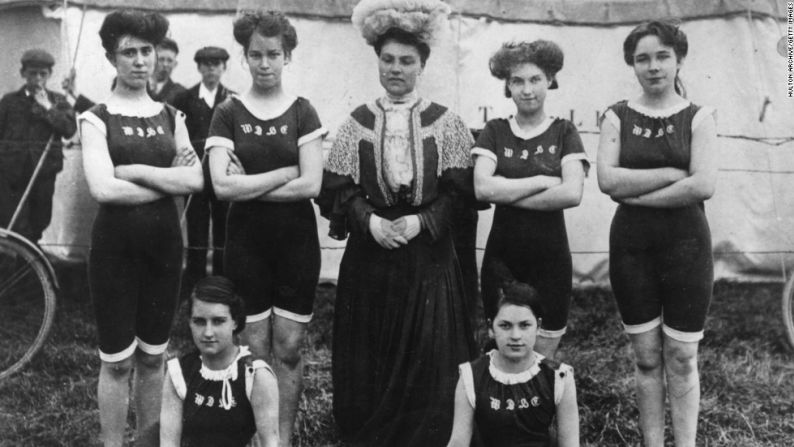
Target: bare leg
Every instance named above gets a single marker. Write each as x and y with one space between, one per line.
257 337
288 338
649 375
547 346
683 388
148 388
113 396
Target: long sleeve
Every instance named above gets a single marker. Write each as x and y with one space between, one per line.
342 200
456 183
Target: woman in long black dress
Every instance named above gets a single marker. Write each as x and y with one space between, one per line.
397 166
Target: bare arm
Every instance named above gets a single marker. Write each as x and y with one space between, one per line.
496 189
462 425
170 416
236 187
699 184
568 415
565 195
100 176
308 183
183 177
264 400
620 183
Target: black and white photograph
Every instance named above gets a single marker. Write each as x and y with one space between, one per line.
396 223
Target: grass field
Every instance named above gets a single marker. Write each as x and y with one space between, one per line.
747 375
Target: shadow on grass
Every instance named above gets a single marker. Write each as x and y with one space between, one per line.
747 373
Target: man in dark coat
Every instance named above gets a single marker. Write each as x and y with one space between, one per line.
162 88
198 103
28 117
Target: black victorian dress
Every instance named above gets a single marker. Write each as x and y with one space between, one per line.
401 323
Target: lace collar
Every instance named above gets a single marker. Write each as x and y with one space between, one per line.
506 378
216 375
226 375
407 101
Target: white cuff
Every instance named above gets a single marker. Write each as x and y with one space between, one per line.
642 327
298 318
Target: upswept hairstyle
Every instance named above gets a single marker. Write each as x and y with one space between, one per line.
268 24
169 44
219 289
404 37
151 27
546 54
668 34
519 294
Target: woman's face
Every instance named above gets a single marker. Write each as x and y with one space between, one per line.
266 60
134 60
528 85
655 65
399 66
514 330
212 327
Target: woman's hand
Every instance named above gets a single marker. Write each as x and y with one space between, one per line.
407 226
382 231
235 166
184 157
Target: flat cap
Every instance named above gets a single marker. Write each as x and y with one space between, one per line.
38 57
211 54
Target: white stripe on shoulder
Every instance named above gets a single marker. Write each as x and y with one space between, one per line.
90 117
702 114
484 152
216 141
468 382
562 375
319 133
175 373
613 119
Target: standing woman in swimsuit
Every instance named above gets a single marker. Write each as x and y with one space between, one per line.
657 158
266 158
136 156
532 166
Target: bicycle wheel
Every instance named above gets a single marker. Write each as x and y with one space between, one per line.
27 304
788 310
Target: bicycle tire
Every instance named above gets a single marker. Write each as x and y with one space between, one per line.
788 310
27 304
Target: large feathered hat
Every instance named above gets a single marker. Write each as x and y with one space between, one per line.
424 18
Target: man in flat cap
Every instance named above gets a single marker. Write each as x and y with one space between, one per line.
28 117
162 88
198 103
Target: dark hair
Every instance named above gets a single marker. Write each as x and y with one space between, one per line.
546 54
519 294
219 289
151 27
268 24
668 34
402 36
169 44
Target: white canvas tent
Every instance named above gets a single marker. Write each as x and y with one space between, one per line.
734 65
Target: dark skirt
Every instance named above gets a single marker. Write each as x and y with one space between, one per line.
401 329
